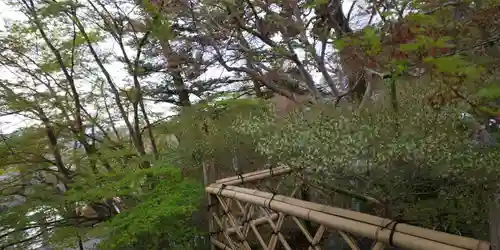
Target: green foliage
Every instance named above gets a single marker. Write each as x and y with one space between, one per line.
160 202
416 161
488 97
423 19
340 43
454 65
78 39
371 41
314 3
490 92
409 47
205 131
428 162
160 23
54 9
163 217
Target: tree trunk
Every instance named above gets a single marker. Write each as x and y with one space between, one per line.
80 243
494 219
352 68
174 71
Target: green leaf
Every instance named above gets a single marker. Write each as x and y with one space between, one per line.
314 3
279 50
54 8
409 47
448 64
369 33
50 67
388 13
422 19
490 92
340 44
443 42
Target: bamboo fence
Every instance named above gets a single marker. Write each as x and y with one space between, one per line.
235 211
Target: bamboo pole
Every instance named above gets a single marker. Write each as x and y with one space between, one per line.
364 225
258 172
208 174
305 195
220 245
282 170
256 222
228 214
459 241
317 237
378 246
252 177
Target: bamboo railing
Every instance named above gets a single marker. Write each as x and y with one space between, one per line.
234 211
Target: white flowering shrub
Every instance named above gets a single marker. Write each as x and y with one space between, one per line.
417 161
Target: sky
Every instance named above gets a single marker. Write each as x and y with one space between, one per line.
12 122
6 122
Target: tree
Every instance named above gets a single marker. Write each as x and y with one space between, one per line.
94 142
54 59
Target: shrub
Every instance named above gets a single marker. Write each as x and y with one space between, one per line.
160 215
416 162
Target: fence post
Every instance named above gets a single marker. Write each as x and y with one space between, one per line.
494 219
208 178
305 196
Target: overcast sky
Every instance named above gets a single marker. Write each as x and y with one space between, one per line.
119 74
10 123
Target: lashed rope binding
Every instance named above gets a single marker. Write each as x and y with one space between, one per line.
327 217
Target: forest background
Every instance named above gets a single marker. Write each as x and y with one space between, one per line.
121 103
